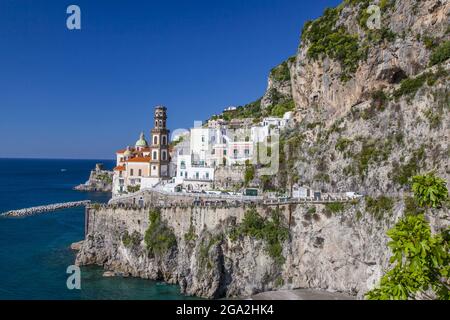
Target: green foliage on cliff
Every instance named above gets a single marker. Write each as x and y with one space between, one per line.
372 152
342 144
325 39
249 174
278 110
205 247
429 190
190 235
272 231
334 207
421 262
131 240
410 86
440 54
281 73
402 173
380 206
159 238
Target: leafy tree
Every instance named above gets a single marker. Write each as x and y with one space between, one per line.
422 262
429 190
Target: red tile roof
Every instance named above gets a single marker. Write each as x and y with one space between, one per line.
140 159
119 168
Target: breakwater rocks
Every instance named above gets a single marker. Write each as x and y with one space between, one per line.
46 208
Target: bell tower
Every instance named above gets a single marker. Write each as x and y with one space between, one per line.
160 159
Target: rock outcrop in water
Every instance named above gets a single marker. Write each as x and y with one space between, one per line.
100 180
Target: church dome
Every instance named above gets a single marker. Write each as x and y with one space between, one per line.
142 143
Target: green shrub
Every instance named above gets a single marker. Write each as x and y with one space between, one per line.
440 53
159 238
133 189
131 240
342 144
434 118
412 206
429 190
410 86
205 247
333 208
249 174
280 109
190 235
281 73
371 152
402 174
379 207
311 210
272 231
421 262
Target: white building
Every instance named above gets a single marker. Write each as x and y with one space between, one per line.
220 144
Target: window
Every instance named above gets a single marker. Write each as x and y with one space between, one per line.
247 139
181 173
164 140
140 173
213 151
160 123
247 152
197 175
155 155
207 175
156 123
164 155
131 172
183 165
155 140
224 152
203 138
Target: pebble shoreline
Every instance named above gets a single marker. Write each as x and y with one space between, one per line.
46 208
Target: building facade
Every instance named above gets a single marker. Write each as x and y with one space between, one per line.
144 165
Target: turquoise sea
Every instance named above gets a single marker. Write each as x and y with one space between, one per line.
35 251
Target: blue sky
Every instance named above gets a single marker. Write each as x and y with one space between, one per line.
87 93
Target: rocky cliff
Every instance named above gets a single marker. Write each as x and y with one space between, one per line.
371 105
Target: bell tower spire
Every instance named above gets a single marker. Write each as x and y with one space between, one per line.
160 144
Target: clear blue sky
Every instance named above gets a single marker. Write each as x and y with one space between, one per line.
87 93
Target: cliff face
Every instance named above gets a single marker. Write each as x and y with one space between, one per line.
372 108
342 251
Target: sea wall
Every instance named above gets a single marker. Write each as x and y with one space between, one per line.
338 252
45 208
